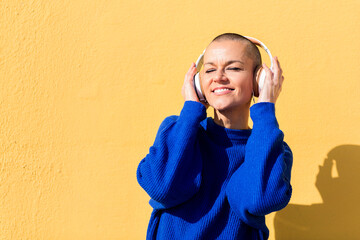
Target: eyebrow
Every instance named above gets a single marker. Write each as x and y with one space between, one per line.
227 63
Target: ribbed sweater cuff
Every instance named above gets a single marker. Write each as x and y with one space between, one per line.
194 111
263 114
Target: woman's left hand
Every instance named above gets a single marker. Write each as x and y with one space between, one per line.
272 84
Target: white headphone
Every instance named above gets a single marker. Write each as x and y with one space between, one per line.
259 74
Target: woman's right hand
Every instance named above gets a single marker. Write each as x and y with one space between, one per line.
188 90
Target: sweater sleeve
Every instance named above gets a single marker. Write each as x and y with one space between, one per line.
171 171
261 184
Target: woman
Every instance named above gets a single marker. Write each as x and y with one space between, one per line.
217 178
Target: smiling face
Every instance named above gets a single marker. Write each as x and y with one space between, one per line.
227 77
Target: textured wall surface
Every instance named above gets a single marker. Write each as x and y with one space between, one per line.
84 86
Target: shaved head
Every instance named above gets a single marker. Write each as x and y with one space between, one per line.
251 49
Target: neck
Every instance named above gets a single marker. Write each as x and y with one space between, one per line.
233 118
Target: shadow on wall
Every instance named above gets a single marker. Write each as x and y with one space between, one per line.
338 217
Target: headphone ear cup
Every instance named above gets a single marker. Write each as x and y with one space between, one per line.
198 89
259 79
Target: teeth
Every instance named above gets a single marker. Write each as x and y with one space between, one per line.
221 90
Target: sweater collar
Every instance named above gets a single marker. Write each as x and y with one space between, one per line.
222 134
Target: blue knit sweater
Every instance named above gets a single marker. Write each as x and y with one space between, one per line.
209 182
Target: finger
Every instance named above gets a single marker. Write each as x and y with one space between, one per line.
277 66
191 72
277 71
282 80
191 69
269 73
266 67
188 88
278 62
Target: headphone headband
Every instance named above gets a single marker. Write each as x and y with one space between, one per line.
263 46
200 57
251 39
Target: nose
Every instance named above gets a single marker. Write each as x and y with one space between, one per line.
220 76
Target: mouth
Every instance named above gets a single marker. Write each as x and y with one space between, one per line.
222 90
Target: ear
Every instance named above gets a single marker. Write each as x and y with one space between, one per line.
256 79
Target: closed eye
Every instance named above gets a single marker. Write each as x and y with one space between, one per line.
209 70
235 69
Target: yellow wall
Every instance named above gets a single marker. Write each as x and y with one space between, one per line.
84 86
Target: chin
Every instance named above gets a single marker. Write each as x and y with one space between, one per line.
223 106
229 105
